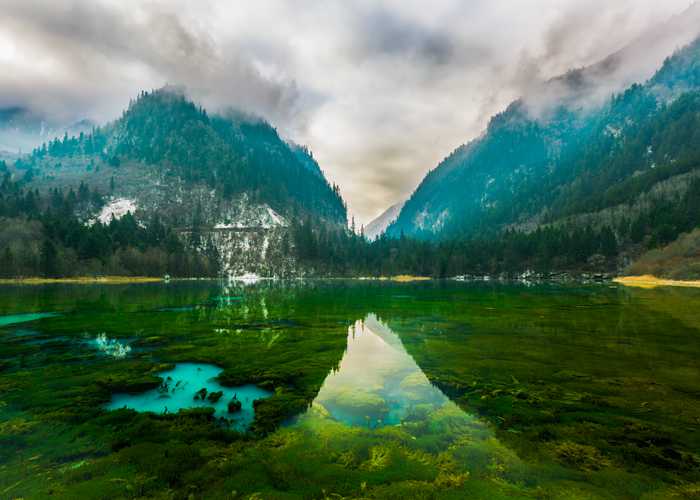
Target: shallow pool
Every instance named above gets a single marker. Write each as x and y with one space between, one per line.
183 388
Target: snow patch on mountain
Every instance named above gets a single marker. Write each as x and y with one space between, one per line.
442 218
260 251
116 208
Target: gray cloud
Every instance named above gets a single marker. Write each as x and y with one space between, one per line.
386 33
381 91
99 54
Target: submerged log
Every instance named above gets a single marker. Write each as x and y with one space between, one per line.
234 405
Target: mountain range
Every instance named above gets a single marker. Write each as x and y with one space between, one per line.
586 171
569 162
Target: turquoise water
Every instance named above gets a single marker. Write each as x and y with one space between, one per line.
178 392
11 319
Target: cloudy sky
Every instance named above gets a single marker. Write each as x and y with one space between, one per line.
380 90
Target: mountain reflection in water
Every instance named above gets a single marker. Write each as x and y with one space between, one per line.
378 383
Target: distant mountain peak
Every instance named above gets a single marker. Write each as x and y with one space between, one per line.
378 225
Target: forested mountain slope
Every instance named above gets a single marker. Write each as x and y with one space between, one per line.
526 170
234 154
219 189
628 170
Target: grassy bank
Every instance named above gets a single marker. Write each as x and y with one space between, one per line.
400 278
81 280
649 281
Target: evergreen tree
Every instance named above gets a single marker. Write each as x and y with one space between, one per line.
49 259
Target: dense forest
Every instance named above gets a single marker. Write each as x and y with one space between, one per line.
41 236
575 248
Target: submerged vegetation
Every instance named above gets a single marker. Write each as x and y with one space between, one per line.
377 390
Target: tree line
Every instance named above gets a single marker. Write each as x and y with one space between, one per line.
573 247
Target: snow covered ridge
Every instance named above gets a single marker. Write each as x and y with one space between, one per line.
116 208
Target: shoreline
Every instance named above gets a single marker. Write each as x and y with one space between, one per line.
125 280
82 280
649 281
643 281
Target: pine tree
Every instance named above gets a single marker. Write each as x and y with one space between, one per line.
196 229
7 263
49 259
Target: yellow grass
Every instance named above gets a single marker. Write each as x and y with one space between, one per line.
405 278
82 280
401 278
649 281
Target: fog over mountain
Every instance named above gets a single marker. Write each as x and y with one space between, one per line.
22 130
379 91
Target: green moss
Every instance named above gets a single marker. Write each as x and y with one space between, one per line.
580 456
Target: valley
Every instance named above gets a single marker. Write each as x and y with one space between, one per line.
350 250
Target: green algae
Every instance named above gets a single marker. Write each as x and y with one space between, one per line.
496 392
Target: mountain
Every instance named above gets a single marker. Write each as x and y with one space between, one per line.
227 186
625 165
377 226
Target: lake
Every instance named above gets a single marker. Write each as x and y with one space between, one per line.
349 389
